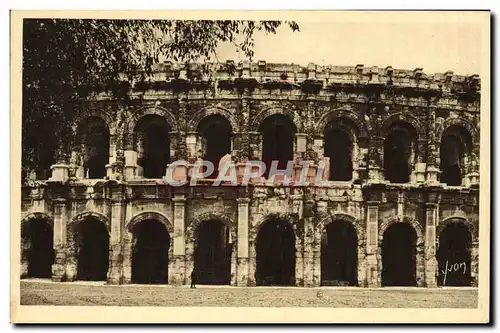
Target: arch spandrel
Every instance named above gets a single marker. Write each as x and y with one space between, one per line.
417 227
150 216
103 115
37 216
351 119
138 114
193 223
290 112
81 124
332 218
459 122
291 218
403 117
75 221
209 111
457 218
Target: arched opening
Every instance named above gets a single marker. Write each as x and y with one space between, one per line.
399 254
339 254
94 134
212 253
37 247
92 248
215 131
455 144
151 243
399 152
275 254
278 133
152 143
453 255
338 147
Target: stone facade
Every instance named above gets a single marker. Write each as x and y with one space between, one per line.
364 102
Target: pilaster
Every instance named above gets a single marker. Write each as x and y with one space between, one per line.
179 269
242 269
430 246
309 244
115 245
60 224
127 242
321 213
474 263
432 167
376 160
372 247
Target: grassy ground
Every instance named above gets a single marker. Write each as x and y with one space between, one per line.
46 293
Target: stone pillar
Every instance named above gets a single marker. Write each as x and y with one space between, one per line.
355 155
115 246
60 172
300 146
178 266
376 160
419 168
430 246
117 160
242 264
180 148
25 248
372 246
131 168
362 158
256 216
309 244
321 213
471 177
299 259
255 144
304 214
318 146
241 139
113 138
60 224
192 145
127 247
237 150
361 269
432 165
474 263
252 261
61 169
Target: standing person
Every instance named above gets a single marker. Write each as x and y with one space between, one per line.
193 278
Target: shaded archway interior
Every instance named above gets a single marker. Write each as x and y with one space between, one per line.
94 140
92 249
278 133
399 152
212 253
275 249
215 131
339 254
456 142
338 148
454 255
151 244
37 247
399 254
152 143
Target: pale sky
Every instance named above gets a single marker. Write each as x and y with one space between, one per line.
435 47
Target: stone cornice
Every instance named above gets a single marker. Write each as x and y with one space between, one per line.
314 79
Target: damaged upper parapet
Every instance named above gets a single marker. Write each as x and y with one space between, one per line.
311 79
